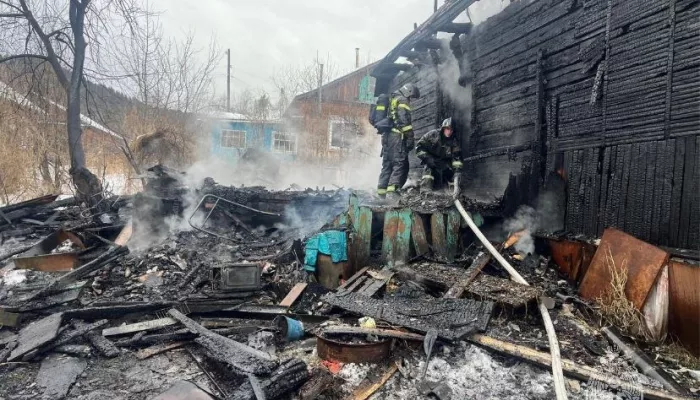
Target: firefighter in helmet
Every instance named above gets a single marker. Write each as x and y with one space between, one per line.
440 153
397 142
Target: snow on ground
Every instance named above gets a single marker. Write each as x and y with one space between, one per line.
471 373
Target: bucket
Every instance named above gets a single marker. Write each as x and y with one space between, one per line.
290 329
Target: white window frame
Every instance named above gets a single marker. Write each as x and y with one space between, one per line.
233 131
288 138
336 120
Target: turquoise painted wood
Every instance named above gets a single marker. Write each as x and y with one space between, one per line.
453 223
391 225
402 244
363 235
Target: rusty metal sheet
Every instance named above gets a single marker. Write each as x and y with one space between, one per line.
293 294
336 350
454 220
439 234
573 257
420 239
684 303
38 257
642 260
59 262
52 241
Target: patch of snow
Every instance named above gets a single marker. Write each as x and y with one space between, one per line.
472 374
15 277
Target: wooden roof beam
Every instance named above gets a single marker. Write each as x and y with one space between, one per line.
456 27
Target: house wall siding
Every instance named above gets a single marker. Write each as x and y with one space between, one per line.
631 158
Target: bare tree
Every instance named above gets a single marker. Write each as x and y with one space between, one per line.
292 80
64 34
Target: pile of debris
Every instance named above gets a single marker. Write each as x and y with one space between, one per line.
213 292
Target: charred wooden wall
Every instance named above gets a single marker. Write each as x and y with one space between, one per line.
604 91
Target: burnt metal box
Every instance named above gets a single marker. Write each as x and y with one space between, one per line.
236 277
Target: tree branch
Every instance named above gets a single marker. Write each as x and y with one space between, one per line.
51 54
39 56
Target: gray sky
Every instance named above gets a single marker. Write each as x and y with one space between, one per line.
267 34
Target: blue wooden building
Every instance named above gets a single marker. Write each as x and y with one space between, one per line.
232 134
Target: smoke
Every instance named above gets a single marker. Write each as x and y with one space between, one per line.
525 219
357 166
546 217
450 73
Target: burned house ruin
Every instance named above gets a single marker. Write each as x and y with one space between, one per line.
571 252
600 94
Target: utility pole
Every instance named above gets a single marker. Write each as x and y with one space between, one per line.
320 85
435 5
228 80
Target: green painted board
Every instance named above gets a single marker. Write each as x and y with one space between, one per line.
391 225
340 220
396 245
420 239
402 245
437 228
363 235
453 223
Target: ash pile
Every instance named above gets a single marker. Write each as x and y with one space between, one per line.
200 291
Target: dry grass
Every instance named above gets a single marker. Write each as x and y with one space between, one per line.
615 307
674 351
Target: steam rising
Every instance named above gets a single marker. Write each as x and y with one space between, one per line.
546 218
449 73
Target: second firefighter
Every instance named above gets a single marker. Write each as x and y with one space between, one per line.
440 153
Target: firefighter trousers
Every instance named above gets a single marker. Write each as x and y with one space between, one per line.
394 163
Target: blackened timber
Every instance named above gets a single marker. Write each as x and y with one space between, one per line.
452 318
456 27
677 191
666 194
647 210
688 193
659 175
569 173
694 230
540 150
605 178
624 185
228 351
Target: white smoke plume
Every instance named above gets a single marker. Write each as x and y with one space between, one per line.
449 74
525 219
547 217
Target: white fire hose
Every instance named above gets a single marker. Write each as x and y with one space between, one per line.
557 374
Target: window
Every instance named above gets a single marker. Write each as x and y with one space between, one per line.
284 142
342 133
233 139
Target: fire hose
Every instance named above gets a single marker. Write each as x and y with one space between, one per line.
557 374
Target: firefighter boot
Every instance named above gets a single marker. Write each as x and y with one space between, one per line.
391 193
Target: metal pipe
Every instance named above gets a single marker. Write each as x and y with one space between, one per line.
557 374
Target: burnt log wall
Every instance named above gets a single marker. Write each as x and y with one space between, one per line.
606 92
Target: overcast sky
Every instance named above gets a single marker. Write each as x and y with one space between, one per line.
267 34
